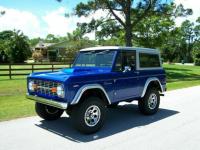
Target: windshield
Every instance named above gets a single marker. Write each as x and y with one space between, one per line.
100 58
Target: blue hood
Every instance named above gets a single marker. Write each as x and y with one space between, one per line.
64 74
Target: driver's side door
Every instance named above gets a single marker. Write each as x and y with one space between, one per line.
126 80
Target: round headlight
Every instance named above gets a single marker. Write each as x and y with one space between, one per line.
60 91
31 85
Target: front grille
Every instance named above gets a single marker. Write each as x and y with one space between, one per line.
45 87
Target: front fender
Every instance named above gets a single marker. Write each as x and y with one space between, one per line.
86 87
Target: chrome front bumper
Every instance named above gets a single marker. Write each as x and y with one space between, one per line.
47 101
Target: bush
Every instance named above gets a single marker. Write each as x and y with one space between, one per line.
37 56
197 61
196 55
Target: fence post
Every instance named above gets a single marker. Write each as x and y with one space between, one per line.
32 68
10 71
52 68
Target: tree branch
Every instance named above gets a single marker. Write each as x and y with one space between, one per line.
145 12
114 14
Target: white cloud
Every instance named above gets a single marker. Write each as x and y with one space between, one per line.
52 22
194 5
20 20
57 23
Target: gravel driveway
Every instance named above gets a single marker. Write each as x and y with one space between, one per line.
175 127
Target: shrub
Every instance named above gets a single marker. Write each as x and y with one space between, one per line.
197 61
37 56
196 55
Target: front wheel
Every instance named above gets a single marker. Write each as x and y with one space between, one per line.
89 116
48 112
149 104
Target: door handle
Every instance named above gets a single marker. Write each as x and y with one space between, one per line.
137 72
107 83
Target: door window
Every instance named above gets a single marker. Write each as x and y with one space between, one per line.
125 59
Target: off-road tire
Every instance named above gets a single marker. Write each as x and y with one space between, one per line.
78 115
144 104
48 112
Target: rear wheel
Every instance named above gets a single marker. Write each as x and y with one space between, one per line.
89 116
48 112
149 105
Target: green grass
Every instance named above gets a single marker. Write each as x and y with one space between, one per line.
13 103
181 76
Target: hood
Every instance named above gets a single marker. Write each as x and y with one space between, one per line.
64 74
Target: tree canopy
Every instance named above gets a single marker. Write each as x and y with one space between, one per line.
123 15
15 45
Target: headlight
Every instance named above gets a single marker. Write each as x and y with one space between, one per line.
60 91
31 86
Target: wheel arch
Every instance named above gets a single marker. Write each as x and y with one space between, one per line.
152 82
91 89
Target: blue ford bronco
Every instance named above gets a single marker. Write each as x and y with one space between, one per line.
100 78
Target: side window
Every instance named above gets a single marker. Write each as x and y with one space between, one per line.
127 58
149 60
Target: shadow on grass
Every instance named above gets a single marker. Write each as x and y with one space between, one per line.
180 76
177 69
119 119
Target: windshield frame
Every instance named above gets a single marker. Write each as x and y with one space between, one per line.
100 50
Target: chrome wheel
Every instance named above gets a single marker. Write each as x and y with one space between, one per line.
152 101
92 115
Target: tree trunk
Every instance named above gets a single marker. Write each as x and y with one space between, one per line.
128 25
128 36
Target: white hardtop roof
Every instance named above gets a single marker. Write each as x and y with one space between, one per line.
119 48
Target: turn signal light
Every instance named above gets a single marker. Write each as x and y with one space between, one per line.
53 90
34 86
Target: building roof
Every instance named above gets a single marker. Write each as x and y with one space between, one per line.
119 48
43 45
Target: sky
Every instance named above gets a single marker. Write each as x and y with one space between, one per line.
39 18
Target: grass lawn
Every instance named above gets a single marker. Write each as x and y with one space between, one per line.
181 76
13 103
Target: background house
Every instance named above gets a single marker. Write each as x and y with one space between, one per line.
52 51
61 51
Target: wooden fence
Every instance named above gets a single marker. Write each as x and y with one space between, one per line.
14 69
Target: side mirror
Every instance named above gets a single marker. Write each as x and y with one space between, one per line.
127 69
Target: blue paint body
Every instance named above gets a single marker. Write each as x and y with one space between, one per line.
119 86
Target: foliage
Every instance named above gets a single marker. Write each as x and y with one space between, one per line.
2 12
33 42
50 38
75 46
196 54
37 56
122 16
19 48
77 41
15 45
